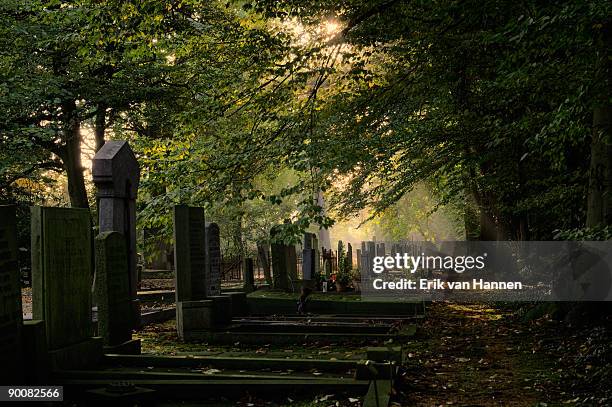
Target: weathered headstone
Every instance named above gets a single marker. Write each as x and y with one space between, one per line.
291 263
248 275
11 319
380 249
116 175
189 253
193 312
308 257
212 277
113 294
61 284
359 259
279 262
349 255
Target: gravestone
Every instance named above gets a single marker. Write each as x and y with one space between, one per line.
113 294
212 276
116 175
248 275
349 255
291 263
61 284
189 253
279 262
11 319
193 312
308 257
358 259
380 250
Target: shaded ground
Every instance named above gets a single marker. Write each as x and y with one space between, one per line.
486 355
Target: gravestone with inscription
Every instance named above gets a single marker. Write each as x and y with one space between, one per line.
113 294
212 276
248 275
189 253
61 284
11 320
308 257
193 312
116 175
279 262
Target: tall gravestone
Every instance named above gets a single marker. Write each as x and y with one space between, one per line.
248 275
189 253
61 284
113 294
349 255
11 319
212 275
358 259
193 312
279 262
308 257
116 175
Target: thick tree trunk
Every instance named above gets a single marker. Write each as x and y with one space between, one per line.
71 157
262 250
470 218
599 203
100 127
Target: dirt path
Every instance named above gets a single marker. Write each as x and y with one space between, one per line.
477 355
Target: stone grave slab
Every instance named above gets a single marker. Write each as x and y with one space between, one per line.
61 284
11 319
113 294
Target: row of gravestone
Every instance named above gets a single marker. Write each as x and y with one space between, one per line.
200 305
60 333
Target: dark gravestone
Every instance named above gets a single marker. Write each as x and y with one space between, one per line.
116 175
61 284
279 262
349 255
192 311
308 257
358 259
248 275
189 253
11 320
380 251
212 276
113 294
291 263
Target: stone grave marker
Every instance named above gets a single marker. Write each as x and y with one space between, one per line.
359 259
189 253
308 257
116 175
279 262
193 312
61 284
213 260
248 275
11 319
349 255
113 294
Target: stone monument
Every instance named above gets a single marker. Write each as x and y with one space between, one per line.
61 284
116 175
113 294
11 319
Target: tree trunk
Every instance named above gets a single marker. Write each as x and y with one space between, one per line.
599 202
71 157
262 250
470 218
100 126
